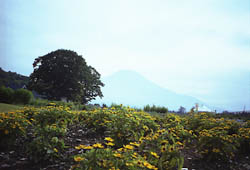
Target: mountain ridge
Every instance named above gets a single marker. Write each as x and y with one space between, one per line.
131 88
12 79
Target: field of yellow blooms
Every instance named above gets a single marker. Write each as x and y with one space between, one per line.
120 138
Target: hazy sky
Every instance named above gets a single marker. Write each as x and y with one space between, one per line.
195 47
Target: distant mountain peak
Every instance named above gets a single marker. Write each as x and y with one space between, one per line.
127 74
131 88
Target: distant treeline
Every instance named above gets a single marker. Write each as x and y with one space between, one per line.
245 115
12 80
157 109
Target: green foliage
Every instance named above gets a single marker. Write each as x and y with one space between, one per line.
45 148
6 95
154 108
243 116
218 139
244 138
12 80
38 102
135 141
22 96
44 102
50 125
65 74
12 126
126 125
127 139
19 96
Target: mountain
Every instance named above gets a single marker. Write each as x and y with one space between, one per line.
12 79
131 88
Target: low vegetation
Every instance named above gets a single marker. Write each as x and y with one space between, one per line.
8 107
19 96
157 109
59 137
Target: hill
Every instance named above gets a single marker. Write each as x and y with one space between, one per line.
12 79
131 88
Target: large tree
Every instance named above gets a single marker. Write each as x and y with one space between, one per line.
65 74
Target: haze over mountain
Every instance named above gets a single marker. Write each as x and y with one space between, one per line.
131 88
197 48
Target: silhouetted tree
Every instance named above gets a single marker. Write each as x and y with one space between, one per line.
65 74
182 110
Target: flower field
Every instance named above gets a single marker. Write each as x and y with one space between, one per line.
120 138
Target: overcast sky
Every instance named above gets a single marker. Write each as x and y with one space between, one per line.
195 47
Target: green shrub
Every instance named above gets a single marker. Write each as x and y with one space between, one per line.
72 105
154 108
22 96
6 95
50 126
39 102
12 126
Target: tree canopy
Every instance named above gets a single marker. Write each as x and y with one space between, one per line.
65 74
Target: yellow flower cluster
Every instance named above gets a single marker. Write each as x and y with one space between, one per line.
98 145
154 154
142 164
13 122
138 138
84 147
78 158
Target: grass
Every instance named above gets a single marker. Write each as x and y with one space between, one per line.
8 107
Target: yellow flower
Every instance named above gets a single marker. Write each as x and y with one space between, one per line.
149 166
113 168
78 158
139 163
129 164
154 154
128 147
135 144
55 150
171 149
80 147
216 150
146 164
156 136
134 155
118 155
109 139
164 142
179 143
120 149
163 149
87 147
145 128
110 144
98 145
